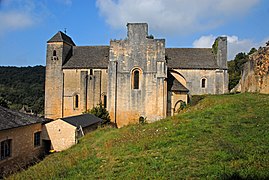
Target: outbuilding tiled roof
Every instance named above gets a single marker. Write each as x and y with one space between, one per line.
12 119
191 58
174 85
83 120
88 57
61 37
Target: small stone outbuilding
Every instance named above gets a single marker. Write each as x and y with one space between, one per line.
20 140
65 132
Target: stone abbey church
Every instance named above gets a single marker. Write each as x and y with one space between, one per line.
135 77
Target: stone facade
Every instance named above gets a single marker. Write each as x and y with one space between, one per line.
133 78
146 57
23 150
61 134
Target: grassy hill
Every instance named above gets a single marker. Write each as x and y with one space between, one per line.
222 137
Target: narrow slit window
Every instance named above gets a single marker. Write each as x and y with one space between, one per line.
54 53
105 99
136 79
76 101
203 83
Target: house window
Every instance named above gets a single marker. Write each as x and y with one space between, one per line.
37 139
203 83
54 53
76 101
5 151
136 79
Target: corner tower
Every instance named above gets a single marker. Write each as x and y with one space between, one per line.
59 49
136 77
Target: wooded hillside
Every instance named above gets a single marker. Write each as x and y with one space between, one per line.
22 86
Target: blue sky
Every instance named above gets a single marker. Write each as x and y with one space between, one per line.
26 25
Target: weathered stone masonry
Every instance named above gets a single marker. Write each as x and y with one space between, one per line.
135 77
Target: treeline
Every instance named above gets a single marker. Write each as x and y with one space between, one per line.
23 86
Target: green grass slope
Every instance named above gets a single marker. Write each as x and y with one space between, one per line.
222 137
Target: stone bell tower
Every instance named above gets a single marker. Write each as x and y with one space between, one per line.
59 48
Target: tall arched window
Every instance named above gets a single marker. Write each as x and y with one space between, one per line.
203 83
54 53
136 79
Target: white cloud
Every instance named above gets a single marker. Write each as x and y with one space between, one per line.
20 14
235 45
14 20
173 16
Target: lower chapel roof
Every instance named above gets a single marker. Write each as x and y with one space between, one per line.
178 58
83 120
13 119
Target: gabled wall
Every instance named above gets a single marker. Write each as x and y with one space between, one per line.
61 134
146 55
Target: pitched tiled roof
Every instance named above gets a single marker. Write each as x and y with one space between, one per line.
89 57
83 120
174 85
185 58
13 119
61 37
191 58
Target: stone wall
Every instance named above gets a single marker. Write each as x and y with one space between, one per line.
23 150
147 56
89 84
216 81
61 134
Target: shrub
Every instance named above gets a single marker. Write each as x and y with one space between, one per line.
101 112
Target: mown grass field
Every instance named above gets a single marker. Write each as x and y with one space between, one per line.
222 137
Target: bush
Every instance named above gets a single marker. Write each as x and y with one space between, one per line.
101 112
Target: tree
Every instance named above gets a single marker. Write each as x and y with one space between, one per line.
101 112
253 50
